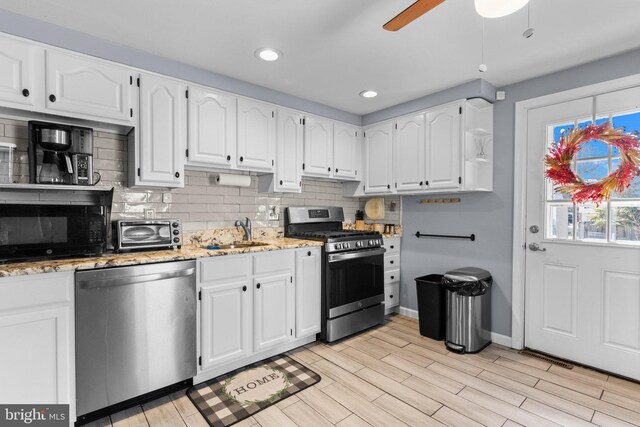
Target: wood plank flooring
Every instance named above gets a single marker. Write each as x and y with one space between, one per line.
392 376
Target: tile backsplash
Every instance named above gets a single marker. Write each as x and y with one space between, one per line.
200 204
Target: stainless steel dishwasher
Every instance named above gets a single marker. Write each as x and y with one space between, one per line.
135 331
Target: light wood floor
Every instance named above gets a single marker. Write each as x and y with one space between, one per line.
391 376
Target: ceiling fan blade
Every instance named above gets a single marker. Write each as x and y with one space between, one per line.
414 11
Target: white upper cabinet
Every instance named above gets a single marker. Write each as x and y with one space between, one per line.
318 147
162 132
79 86
347 151
256 136
289 147
443 147
212 128
409 145
378 159
21 74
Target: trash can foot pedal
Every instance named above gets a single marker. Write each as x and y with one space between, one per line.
461 349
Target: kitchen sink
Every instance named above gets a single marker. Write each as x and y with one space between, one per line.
238 245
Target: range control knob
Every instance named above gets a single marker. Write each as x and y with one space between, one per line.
338 246
346 245
175 225
371 243
358 244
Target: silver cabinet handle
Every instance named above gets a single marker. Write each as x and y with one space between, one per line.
536 248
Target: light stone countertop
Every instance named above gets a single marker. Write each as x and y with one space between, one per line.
147 257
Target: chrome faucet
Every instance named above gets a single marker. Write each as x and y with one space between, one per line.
246 227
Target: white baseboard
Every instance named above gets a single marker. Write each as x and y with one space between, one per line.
501 339
495 337
409 312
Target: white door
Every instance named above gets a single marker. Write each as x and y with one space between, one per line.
88 88
162 131
443 147
256 136
212 128
273 298
346 151
409 141
318 146
289 147
583 261
225 323
378 159
21 74
308 292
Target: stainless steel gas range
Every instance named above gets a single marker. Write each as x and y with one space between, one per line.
352 270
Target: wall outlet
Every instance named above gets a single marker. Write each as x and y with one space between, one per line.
167 197
274 212
500 95
149 214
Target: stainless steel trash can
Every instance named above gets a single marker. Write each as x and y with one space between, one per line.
468 309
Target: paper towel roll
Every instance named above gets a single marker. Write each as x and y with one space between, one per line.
233 180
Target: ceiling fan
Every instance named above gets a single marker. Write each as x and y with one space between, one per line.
485 8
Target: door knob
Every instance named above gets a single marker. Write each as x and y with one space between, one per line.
536 248
534 229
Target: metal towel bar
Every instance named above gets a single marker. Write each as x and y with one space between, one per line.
446 236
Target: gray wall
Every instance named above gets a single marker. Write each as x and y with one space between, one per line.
490 216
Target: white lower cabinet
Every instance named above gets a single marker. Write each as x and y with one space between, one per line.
391 274
308 291
253 306
37 340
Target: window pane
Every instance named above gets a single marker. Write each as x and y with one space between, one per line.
561 130
625 222
633 191
559 222
591 223
629 122
592 170
593 148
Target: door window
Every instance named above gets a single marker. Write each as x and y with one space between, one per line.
613 222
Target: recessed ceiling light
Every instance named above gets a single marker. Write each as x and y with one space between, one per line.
268 54
368 94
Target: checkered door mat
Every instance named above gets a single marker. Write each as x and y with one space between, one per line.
237 395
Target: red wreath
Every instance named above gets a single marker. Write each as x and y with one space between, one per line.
559 159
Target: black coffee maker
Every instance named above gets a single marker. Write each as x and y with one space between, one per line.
60 154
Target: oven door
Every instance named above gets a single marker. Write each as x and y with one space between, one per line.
354 280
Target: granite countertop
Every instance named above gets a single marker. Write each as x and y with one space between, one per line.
148 257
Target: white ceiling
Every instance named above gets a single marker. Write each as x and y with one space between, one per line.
333 49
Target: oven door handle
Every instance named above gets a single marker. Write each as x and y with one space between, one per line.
355 255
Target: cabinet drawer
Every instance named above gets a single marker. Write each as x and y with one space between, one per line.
34 290
392 295
391 276
223 268
270 262
392 245
391 261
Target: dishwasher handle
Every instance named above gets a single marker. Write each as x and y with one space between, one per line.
142 278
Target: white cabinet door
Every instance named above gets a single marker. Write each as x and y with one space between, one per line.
409 144
162 132
225 314
318 146
256 136
308 292
21 74
80 86
212 128
378 159
273 300
37 340
289 152
443 147
346 151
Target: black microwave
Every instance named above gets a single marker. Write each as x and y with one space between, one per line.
30 231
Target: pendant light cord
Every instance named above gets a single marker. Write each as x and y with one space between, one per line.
482 59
